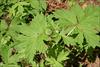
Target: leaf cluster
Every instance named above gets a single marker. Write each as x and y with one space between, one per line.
29 38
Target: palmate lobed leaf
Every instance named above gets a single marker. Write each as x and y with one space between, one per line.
33 36
85 24
57 62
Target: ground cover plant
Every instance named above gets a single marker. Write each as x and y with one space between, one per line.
49 33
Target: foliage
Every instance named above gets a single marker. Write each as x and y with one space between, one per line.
26 32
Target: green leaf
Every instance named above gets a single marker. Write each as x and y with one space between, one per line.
20 6
38 4
7 57
92 39
53 62
33 36
3 26
78 11
62 56
69 41
5 53
66 15
85 26
34 4
43 4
